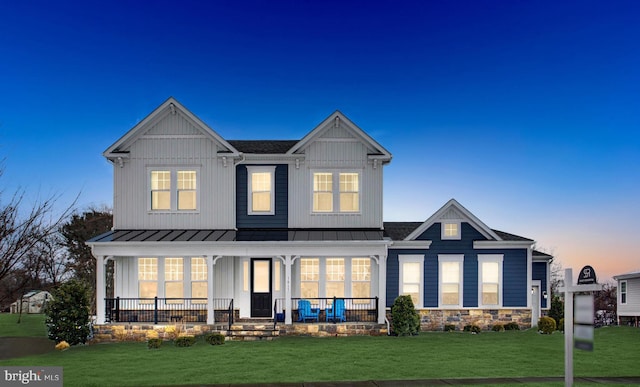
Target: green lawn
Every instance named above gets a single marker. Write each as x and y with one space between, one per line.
296 359
31 325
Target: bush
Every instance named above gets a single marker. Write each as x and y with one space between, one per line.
214 339
154 343
512 326
67 313
449 328
404 318
556 311
61 346
185 341
472 328
561 325
498 328
546 325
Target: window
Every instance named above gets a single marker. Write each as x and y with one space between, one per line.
349 192
173 190
322 192
623 292
147 279
309 277
173 279
325 194
451 230
199 280
450 280
489 280
160 190
260 185
186 190
411 272
361 279
335 277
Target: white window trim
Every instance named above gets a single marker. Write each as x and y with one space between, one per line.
452 237
173 195
161 279
272 171
498 258
335 176
451 258
412 258
626 292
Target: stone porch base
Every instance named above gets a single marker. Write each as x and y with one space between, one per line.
436 319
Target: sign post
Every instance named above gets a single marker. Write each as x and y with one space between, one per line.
584 318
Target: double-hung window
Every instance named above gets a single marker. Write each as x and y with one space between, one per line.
489 280
450 280
199 280
336 187
261 198
623 292
174 279
147 279
309 277
335 277
361 279
173 189
411 275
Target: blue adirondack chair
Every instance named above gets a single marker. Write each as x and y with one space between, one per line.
305 312
336 311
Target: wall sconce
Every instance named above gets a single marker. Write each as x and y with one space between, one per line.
544 294
532 290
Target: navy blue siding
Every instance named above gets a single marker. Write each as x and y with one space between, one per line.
280 218
514 289
539 272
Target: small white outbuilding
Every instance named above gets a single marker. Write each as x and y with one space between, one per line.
32 302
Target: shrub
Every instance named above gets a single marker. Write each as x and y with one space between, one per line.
154 343
472 328
185 341
67 313
449 328
512 326
405 319
556 311
561 325
214 339
498 328
546 325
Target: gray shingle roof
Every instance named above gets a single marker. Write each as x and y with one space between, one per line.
397 231
263 146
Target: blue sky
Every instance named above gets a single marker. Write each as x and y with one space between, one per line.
527 113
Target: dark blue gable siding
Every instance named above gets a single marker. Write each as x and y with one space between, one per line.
539 272
514 289
280 218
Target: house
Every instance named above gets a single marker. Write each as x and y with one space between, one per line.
209 230
33 301
628 298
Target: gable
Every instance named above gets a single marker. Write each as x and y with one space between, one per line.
169 120
338 128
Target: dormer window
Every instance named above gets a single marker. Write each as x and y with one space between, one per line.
451 230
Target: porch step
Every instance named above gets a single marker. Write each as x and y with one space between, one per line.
246 331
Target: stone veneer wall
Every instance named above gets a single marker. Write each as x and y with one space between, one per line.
331 330
435 319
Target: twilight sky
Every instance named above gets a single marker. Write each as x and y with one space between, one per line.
527 113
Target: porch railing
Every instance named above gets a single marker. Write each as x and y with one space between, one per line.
156 310
356 309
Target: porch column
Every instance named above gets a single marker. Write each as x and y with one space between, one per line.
210 310
287 289
100 290
382 288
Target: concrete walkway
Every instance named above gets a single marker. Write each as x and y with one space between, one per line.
628 380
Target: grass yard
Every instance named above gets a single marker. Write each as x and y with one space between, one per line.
296 359
31 325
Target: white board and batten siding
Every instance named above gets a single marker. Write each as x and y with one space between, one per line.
339 153
174 142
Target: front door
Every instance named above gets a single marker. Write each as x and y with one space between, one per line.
261 287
